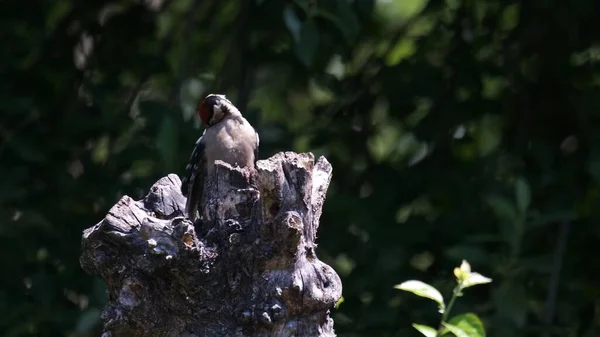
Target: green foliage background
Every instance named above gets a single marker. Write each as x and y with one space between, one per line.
456 129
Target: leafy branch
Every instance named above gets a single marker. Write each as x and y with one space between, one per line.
465 325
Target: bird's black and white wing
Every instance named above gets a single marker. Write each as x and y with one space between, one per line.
192 184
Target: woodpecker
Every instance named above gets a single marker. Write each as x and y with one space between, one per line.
228 137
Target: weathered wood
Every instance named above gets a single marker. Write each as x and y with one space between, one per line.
248 268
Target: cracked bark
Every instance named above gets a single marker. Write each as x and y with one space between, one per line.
248 268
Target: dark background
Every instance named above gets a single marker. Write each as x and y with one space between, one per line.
438 117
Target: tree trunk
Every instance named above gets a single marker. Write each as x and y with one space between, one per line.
247 268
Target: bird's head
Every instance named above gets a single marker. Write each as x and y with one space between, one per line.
213 108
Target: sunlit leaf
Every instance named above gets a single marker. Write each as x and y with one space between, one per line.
475 279
468 323
456 331
398 12
336 67
462 272
424 290
422 26
425 330
468 278
403 49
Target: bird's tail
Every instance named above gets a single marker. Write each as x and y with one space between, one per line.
194 199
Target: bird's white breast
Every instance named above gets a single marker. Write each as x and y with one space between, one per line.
232 141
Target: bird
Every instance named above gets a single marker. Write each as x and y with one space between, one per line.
228 137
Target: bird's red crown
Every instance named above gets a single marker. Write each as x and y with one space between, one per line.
204 111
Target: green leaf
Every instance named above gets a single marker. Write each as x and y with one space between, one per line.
468 323
453 4
425 330
510 17
292 22
308 43
142 168
502 207
403 49
463 271
493 86
424 290
58 10
382 143
398 12
101 150
488 134
348 22
456 331
467 278
522 194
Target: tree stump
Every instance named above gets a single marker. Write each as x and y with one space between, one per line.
247 268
